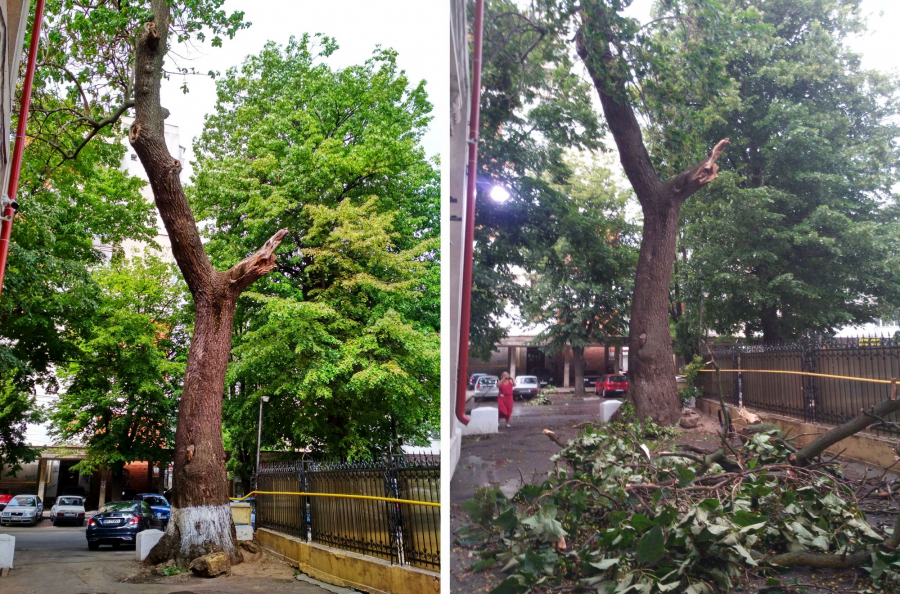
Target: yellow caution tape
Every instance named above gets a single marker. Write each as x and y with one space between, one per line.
340 495
806 373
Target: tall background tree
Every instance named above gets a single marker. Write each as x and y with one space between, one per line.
343 339
581 287
50 298
122 387
801 234
534 107
18 408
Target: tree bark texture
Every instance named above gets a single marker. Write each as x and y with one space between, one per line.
651 366
200 521
578 360
769 324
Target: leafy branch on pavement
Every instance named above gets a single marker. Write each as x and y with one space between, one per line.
625 511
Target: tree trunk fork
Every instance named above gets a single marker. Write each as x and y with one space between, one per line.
651 364
201 518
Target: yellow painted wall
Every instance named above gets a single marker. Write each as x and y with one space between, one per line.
348 569
862 447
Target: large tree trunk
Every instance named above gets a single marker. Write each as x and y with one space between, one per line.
651 365
578 360
200 520
117 480
769 323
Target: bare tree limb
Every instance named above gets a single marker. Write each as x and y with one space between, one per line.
622 121
253 267
859 423
67 72
687 182
147 136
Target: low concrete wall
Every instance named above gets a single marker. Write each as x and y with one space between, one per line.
862 447
348 569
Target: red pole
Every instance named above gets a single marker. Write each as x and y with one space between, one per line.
465 313
13 188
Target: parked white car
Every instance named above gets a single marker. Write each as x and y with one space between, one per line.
22 509
67 509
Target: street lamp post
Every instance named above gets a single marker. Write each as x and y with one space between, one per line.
701 339
259 438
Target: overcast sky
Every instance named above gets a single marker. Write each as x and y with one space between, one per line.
879 46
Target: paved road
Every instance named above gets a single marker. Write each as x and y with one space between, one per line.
562 410
47 544
56 560
506 459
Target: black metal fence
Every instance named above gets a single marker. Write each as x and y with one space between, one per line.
402 533
811 398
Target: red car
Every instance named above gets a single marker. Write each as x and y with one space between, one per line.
611 385
4 499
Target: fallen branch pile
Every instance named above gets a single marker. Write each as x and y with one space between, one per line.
623 513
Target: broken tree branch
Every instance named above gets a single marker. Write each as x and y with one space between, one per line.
257 265
687 182
859 423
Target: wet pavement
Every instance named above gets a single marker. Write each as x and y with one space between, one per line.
516 455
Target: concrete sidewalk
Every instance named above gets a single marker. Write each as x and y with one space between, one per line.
58 562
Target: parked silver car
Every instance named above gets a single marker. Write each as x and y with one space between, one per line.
22 509
486 387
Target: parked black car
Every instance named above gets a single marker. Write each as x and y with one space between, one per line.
590 377
119 522
474 378
544 375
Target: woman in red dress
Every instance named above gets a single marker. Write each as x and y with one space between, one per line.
505 399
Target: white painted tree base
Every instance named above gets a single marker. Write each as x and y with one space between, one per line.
203 526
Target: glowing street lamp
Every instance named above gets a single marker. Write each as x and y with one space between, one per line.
499 194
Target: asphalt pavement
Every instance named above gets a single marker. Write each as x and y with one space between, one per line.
56 560
46 543
564 408
516 455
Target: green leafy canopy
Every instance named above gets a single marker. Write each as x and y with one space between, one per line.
343 335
